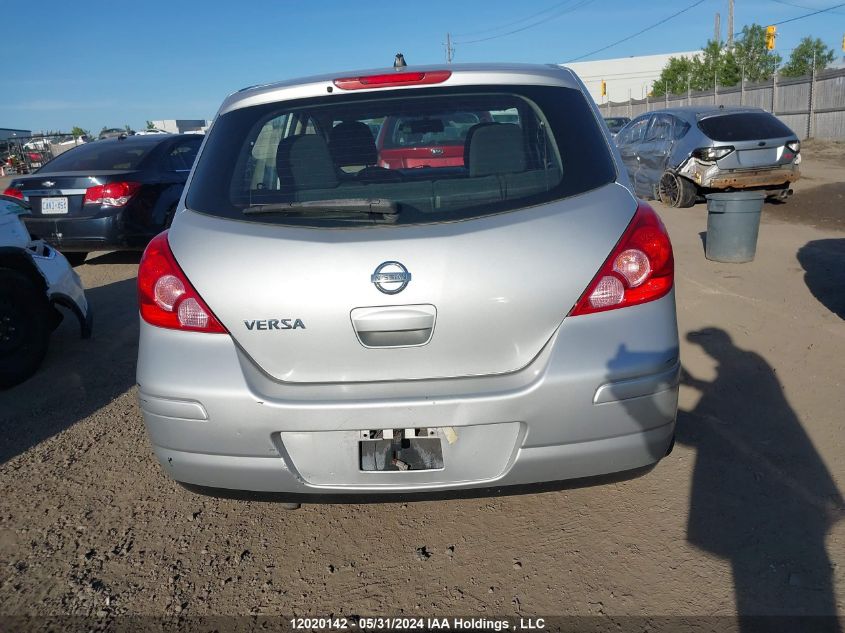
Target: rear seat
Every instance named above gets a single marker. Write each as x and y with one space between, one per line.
494 154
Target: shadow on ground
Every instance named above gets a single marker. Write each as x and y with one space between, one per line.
78 376
114 257
824 264
761 498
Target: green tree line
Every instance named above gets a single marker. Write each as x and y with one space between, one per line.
748 58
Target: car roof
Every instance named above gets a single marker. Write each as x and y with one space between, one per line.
462 75
693 113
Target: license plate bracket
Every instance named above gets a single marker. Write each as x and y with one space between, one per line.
406 454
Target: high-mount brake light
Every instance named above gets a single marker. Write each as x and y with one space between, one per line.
166 297
640 268
389 80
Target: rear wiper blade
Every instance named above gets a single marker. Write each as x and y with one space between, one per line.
369 208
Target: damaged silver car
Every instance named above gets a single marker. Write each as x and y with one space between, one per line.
679 155
34 280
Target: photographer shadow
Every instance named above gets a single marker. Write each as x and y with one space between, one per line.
761 497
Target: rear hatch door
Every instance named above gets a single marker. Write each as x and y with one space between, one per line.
758 138
296 300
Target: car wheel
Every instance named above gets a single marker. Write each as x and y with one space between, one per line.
24 327
676 191
75 259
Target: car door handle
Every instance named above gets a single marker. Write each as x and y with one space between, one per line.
394 326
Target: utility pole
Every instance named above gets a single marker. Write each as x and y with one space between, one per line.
449 49
717 29
730 23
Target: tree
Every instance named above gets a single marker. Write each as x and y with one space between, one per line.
755 61
675 77
801 61
720 64
77 131
150 125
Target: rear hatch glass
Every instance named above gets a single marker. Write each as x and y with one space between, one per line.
743 126
99 156
401 157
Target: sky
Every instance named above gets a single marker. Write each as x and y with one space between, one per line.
108 63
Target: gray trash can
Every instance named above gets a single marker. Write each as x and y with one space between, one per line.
733 220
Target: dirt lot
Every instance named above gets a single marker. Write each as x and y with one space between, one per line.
744 515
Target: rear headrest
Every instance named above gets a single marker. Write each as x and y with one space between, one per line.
304 162
352 143
494 148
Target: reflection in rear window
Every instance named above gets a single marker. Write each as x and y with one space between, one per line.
744 126
99 156
435 154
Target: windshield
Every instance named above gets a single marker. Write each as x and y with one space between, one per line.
99 156
439 155
616 123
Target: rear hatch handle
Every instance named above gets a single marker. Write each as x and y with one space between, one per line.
394 326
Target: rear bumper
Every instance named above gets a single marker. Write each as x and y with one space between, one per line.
710 176
593 402
81 234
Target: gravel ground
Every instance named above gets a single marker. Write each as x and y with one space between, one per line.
743 516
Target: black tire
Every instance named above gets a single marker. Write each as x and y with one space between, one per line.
676 191
24 327
76 259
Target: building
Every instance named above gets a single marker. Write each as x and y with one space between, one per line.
7 133
181 126
625 77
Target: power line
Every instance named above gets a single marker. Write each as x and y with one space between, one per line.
580 4
630 37
806 15
514 23
798 6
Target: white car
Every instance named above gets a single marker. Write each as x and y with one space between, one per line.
34 279
150 131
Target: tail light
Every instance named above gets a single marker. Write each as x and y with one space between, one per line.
166 297
15 193
710 154
640 268
795 146
389 80
114 194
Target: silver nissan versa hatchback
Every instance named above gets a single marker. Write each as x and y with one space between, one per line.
321 321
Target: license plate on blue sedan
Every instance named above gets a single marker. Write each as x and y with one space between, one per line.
53 206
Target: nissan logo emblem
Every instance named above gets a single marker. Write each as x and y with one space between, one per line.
390 277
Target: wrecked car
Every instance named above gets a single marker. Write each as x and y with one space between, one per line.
680 154
34 280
